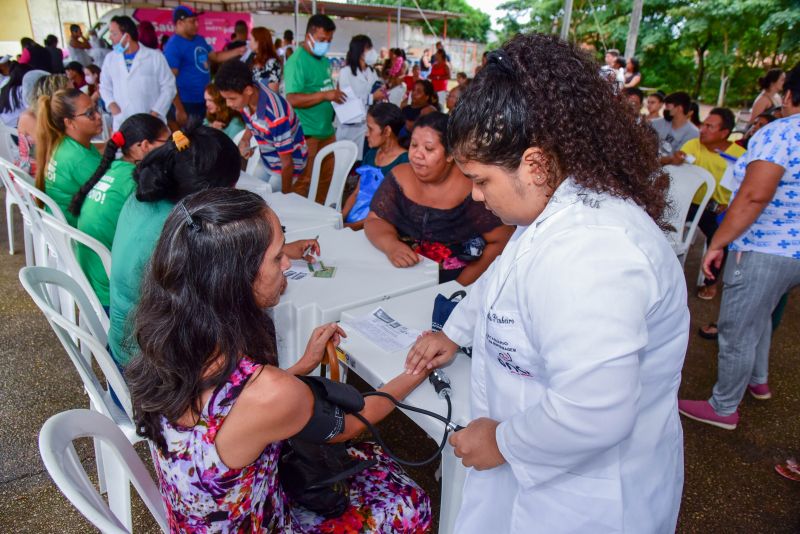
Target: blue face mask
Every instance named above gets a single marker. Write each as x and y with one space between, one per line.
319 49
119 48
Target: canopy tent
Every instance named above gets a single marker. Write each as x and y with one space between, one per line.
296 7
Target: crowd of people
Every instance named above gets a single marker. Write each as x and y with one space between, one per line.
577 312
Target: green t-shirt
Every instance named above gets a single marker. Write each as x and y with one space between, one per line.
69 167
138 229
98 218
306 73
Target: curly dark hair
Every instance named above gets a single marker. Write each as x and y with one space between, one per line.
540 91
198 304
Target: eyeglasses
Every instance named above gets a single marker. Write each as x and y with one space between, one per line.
89 113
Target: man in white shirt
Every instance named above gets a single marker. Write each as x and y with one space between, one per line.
134 78
78 46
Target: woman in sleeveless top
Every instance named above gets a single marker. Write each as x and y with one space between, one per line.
771 85
208 393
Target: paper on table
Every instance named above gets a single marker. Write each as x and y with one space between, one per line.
381 328
297 271
352 111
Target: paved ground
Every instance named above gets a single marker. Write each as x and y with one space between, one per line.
730 482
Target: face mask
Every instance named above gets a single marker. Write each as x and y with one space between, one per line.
319 49
371 56
668 115
90 79
119 48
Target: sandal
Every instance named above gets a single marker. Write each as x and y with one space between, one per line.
789 469
709 331
707 292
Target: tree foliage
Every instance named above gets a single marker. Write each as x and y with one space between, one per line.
690 45
473 25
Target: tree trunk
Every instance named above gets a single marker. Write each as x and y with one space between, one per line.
723 78
701 70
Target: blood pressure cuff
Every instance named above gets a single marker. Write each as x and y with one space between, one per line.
332 400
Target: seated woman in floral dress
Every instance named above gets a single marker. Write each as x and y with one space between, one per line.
425 208
208 393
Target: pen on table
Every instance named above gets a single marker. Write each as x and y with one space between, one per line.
307 250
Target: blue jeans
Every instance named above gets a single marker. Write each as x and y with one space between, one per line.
753 284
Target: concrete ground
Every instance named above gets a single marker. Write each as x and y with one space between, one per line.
730 482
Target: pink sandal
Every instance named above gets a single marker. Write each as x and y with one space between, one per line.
789 469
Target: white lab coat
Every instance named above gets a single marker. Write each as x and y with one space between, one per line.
361 83
149 86
579 331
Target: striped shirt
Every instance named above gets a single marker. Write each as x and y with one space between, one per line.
277 131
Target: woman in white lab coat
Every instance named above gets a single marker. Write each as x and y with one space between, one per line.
579 329
359 76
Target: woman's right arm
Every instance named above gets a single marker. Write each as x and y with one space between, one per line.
383 235
761 104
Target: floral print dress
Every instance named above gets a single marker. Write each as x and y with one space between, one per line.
203 495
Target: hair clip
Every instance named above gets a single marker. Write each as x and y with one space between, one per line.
180 140
118 139
190 222
499 58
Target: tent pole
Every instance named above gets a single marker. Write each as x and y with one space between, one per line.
399 17
633 30
296 17
567 20
60 24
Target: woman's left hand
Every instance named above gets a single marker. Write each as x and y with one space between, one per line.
302 249
476 445
315 350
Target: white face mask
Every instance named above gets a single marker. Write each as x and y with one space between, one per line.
370 56
90 79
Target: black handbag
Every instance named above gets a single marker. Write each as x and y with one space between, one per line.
314 473
442 308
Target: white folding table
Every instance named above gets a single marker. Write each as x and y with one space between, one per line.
378 367
299 216
363 276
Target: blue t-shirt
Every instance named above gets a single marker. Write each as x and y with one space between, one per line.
776 231
129 60
191 60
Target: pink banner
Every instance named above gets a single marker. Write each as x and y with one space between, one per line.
215 26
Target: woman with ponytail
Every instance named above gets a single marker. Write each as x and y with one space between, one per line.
98 202
26 127
193 159
65 125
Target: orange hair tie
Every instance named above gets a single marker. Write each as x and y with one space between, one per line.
180 140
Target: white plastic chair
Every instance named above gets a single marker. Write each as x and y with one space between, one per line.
64 466
13 197
344 153
254 185
255 157
64 239
685 180
85 343
8 148
30 194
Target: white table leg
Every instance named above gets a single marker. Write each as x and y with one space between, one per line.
453 475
